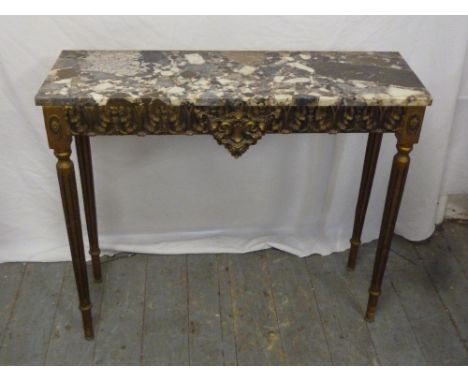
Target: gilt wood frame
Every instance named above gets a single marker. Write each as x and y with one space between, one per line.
236 127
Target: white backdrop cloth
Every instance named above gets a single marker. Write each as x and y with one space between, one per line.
187 194
455 179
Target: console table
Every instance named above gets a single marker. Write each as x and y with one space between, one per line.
237 97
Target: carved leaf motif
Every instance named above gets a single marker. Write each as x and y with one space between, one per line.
76 120
164 119
301 119
322 118
236 127
392 118
357 118
117 119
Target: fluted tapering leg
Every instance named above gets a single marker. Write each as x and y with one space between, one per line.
370 163
67 182
83 151
60 141
407 136
396 185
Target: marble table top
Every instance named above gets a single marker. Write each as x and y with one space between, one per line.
218 78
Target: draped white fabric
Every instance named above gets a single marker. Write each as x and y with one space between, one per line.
187 194
455 180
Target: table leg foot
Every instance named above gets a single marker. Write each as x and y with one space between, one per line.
87 322
371 306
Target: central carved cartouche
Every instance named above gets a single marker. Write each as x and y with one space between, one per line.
236 130
237 135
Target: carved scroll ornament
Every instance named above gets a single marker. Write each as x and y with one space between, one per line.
235 127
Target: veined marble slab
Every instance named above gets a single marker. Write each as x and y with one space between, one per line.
218 78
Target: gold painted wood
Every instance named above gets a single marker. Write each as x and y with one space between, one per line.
60 139
236 127
83 152
407 135
370 163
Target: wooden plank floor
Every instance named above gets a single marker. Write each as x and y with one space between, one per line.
262 308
